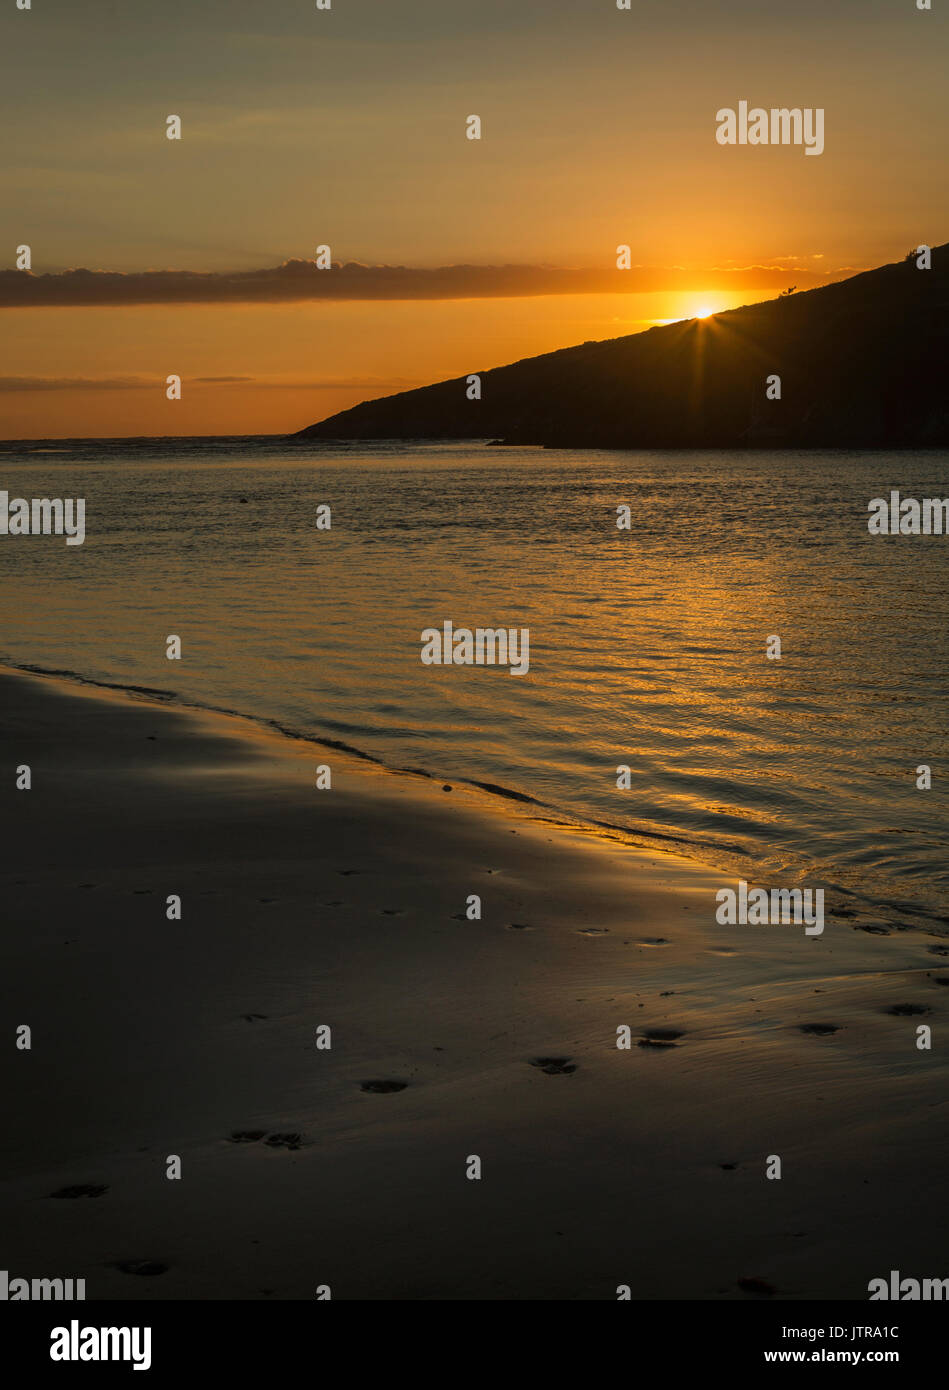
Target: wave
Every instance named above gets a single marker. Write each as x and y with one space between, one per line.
844 902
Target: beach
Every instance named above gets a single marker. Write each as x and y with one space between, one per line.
346 908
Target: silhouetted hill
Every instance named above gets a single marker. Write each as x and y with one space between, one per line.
862 365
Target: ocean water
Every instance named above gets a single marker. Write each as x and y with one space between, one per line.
647 646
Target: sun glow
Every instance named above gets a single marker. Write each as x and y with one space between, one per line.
694 309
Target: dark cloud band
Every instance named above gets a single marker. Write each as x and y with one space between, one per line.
299 280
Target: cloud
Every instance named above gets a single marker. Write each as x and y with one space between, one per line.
221 380
300 280
152 383
73 383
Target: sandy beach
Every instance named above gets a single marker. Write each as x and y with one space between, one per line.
345 908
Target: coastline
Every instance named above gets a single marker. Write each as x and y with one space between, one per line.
346 907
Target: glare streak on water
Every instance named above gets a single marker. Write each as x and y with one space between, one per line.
647 647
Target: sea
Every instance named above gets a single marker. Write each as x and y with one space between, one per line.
651 645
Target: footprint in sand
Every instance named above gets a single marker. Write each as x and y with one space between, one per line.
519 926
246 1136
347 873
759 1286
660 1037
284 1141
252 1018
654 941
907 1010
81 1189
393 912
819 1030
938 950
940 979
593 931
146 1267
554 1066
382 1088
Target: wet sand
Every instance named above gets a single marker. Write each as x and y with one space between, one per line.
346 907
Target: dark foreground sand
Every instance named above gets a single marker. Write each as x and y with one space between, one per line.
301 907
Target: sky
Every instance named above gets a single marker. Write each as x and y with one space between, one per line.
346 128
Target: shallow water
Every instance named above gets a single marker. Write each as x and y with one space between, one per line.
647 647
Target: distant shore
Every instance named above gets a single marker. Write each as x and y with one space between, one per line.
452 1039
760 376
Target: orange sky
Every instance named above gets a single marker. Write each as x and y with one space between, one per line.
295 363
346 128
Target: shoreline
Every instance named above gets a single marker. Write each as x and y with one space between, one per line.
345 908
852 903
559 817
